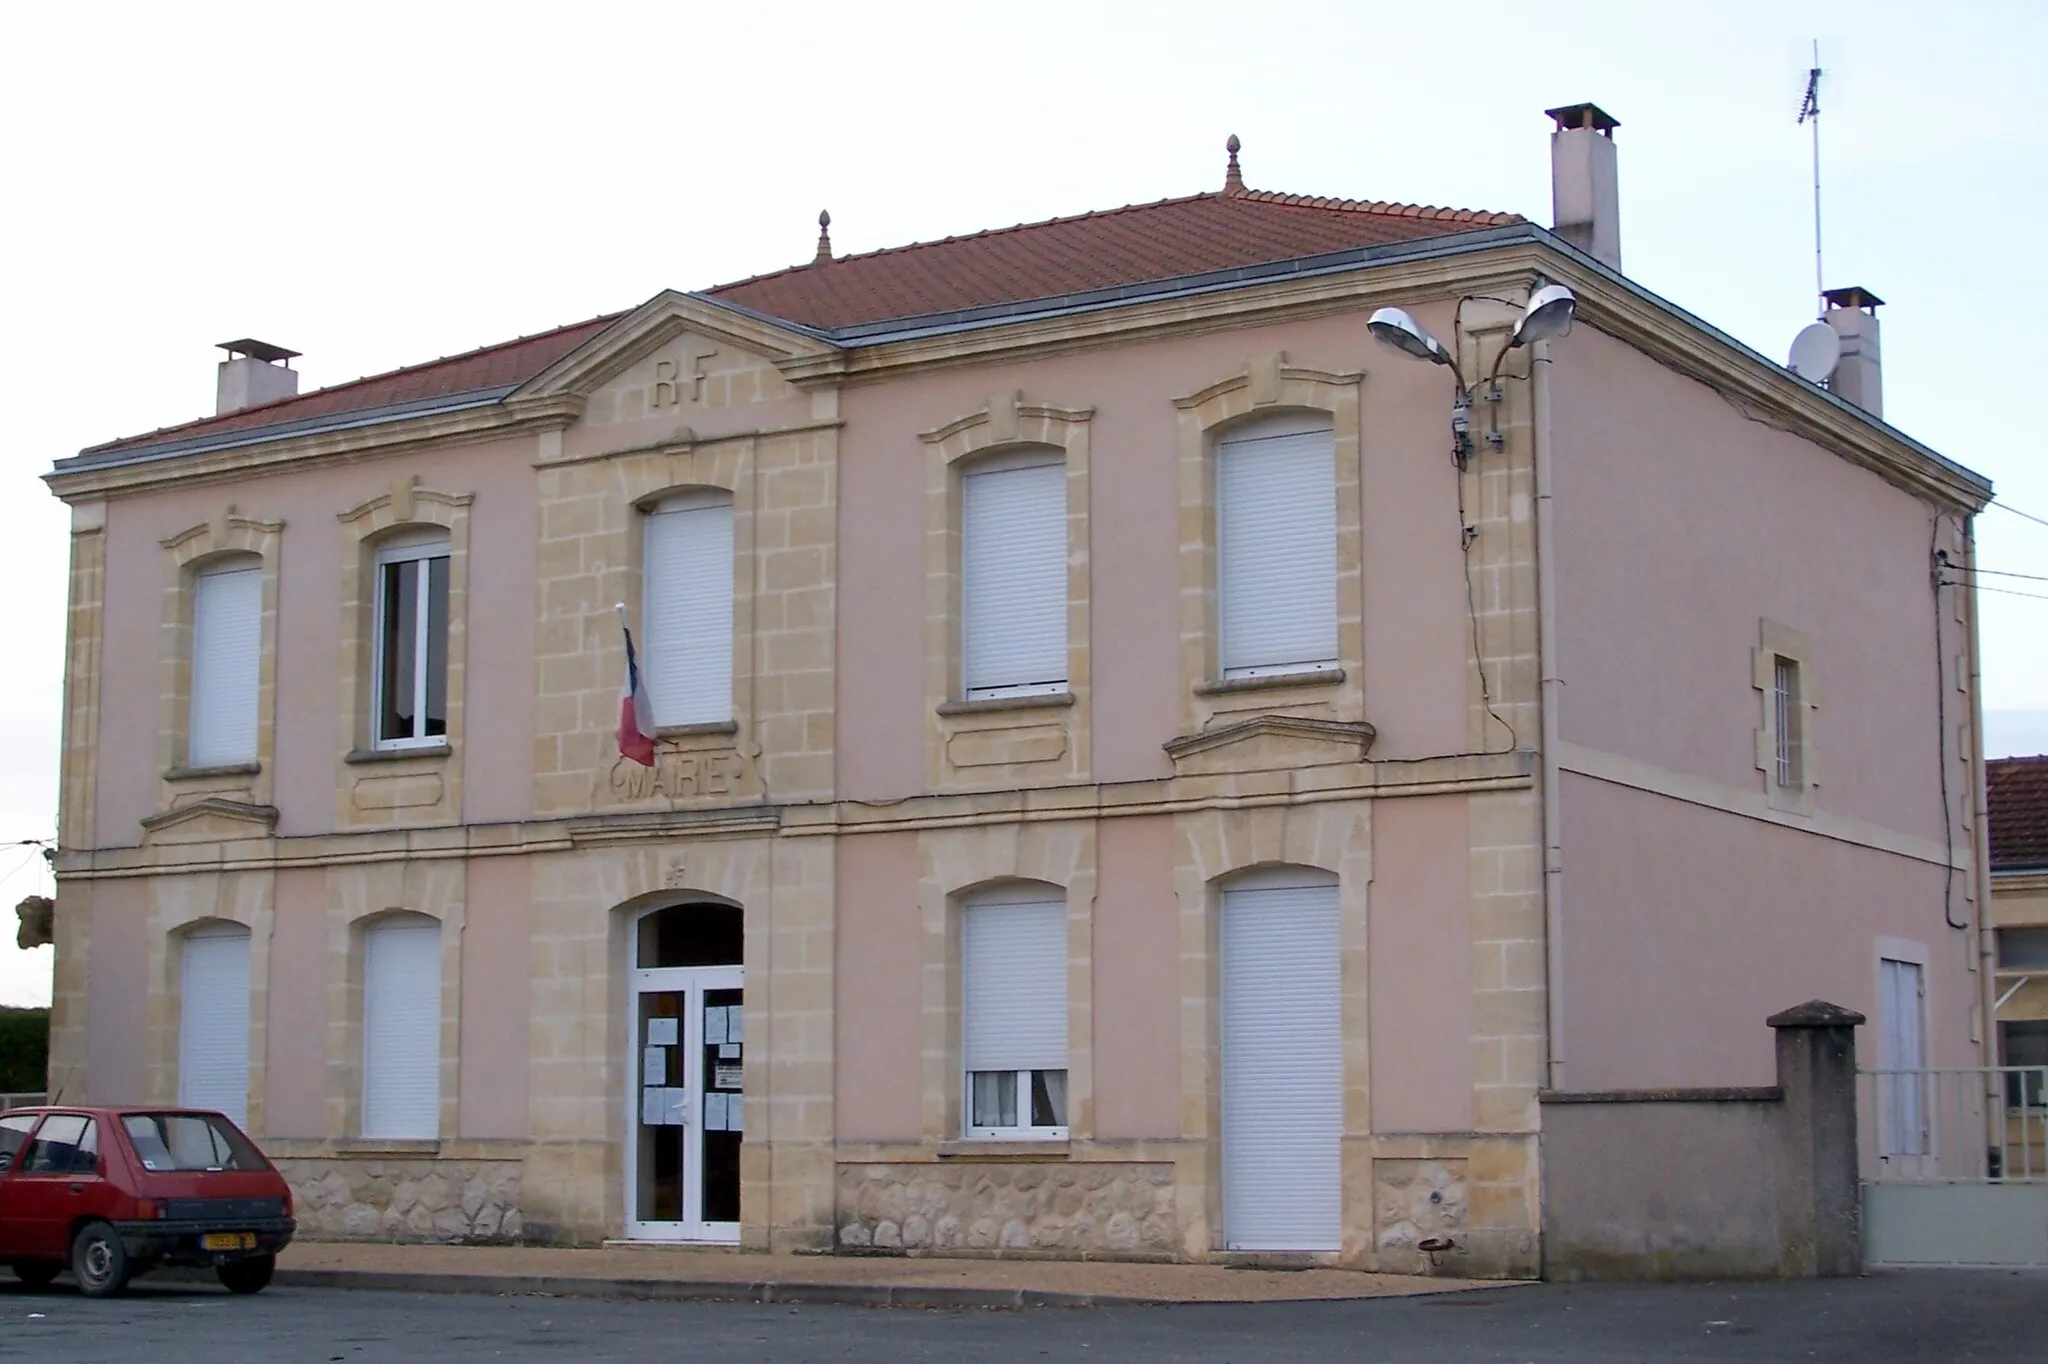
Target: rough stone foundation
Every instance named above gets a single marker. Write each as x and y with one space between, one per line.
1125 1210
446 1201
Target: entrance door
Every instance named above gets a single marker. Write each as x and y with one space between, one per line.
1283 1064
687 1032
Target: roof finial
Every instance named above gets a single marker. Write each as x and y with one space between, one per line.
1233 178
824 238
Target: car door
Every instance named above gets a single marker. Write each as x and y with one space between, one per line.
56 1178
14 1130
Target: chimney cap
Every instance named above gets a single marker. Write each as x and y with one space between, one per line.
258 350
1855 296
1584 116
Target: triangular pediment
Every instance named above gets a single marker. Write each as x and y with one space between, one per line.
211 819
653 329
1265 743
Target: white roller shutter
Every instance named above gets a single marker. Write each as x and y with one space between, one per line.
402 1030
1902 1108
1276 530
1013 570
213 1021
688 611
1013 986
227 647
1283 1069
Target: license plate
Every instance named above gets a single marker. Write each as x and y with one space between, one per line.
228 1240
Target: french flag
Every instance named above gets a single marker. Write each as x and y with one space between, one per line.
636 712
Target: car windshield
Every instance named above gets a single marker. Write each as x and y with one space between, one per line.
189 1141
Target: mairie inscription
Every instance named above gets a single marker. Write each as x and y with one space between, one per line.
694 774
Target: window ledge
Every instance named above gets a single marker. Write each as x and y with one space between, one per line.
211 773
1044 701
1225 686
989 1148
388 1146
393 755
709 727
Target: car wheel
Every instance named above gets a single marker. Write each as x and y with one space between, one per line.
98 1261
247 1276
36 1273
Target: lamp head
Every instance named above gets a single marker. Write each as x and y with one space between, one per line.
1404 333
1547 316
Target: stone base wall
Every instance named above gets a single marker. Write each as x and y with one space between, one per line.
1060 1209
466 1202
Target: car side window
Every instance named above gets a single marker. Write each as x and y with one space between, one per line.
85 1160
14 1132
55 1150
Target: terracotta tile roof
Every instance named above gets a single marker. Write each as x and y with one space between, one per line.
1202 232
1219 230
509 362
2017 793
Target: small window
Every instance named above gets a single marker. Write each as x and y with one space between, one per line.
1788 724
66 1144
1276 548
1014 1007
688 582
1013 577
227 647
411 692
2023 949
2025 1044
402 1029
14 1130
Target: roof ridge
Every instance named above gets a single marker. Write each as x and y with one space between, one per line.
1385 207
351 383
970 236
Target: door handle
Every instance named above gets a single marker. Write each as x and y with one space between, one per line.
78 1188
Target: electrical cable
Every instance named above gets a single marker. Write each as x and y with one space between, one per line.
1466 535
2027 516
1998 573
2001 591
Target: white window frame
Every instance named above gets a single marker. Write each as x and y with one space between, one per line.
1286 424
1027 897
249 726
422 548
1788 723
654 666
1039 458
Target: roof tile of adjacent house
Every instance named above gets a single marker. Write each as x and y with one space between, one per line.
2017 792
1219 230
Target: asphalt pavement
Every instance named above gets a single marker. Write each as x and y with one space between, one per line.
1884 1319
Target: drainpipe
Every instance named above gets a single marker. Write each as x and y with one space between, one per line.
1980 821
1547 698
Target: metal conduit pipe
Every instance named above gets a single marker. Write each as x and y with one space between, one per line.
1547 699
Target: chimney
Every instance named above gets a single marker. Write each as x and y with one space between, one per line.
1585 204
1858 378
254 373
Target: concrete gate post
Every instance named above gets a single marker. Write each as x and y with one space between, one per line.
1820 1226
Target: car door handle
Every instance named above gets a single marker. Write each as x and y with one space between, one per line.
78 1188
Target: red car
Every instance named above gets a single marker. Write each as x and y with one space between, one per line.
113 1192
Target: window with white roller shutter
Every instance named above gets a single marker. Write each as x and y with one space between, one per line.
213 1020
1283 1063
686 657
1276 548
402 1028
1013 572
227 650
1013 993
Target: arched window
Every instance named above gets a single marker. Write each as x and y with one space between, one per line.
1013 1004
213 1020
402 1028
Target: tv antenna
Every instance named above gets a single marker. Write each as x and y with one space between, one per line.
1809 112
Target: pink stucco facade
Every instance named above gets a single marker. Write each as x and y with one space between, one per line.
1592 686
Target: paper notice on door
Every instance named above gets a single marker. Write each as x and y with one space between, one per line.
726 1076
653 1108
714 1112
728 1051
714 1026
678 1111
661 1032
735 1105
734 1019
654 1066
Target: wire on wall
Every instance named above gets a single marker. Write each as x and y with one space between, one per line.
1939 560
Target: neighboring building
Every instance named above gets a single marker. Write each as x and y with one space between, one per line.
1109 745
2017 802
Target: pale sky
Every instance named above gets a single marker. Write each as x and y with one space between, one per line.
379 184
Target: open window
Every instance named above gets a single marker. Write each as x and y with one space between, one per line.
409 702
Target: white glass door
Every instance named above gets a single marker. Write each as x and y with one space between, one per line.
688 1034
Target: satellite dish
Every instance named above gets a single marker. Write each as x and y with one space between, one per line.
1815 352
